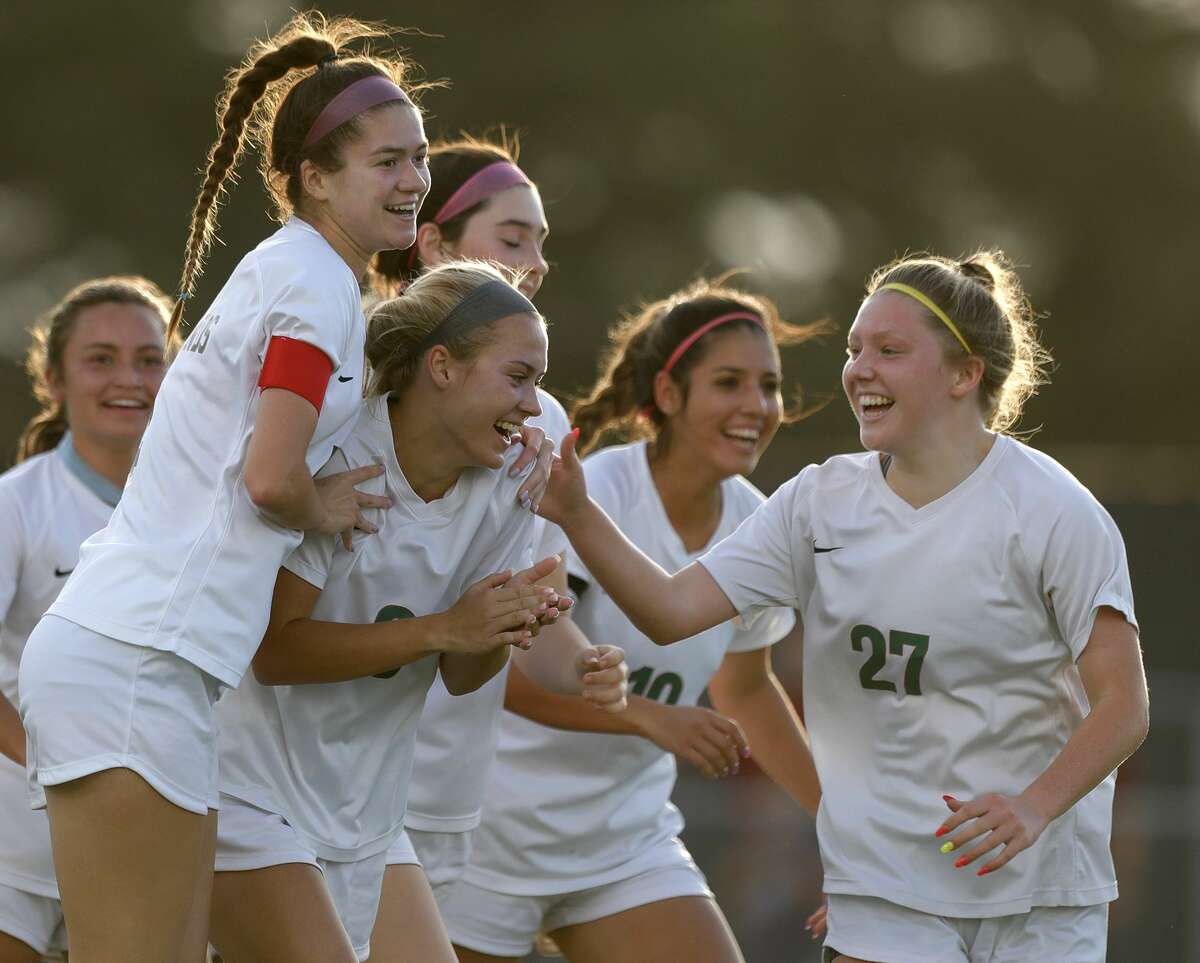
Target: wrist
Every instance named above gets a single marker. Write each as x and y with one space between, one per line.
578 519
1042 806
640 713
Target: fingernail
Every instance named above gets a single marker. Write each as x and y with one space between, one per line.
536 507
575 433
947 846
984 871
949 799
525 499
735 770
960 863
942 830
746 753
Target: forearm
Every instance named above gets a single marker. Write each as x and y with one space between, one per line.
1108 736
306 651
462 673
551 664
12 733
570 712
777 738
640 587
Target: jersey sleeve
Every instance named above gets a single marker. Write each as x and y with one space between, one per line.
302 308
312 559
771 625
757 566
12 550
1084 568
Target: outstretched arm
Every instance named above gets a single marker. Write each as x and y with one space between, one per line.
746 689
664 607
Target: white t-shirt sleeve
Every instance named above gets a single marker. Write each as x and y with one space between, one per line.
1083 568
301 307
312 559
756 567
12 549
769 627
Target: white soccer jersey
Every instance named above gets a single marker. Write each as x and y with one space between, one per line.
457 735
187 563
48 506
939 654
568 811
334 759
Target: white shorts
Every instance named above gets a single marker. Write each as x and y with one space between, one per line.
503 925
91 703
252 838
36 921
875 929
443 856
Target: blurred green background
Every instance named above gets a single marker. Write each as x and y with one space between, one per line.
806 142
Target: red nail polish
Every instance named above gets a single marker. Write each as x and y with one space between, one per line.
984 871
575 433
949 799
942 830
961 863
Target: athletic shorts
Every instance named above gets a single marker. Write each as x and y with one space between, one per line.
875 929
36 921
252 838
503 925
91 703
443 856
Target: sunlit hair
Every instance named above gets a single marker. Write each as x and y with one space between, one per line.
984 297
451 164
50 336
398 328
621 403
272 100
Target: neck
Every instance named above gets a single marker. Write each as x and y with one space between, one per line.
111 462
339 239
429 461
927 473
690 491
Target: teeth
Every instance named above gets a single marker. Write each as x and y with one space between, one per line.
401 208
745 434
125 403
508 428
873 401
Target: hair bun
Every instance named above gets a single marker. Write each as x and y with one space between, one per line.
978 270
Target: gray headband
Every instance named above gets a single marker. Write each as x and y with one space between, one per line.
489 302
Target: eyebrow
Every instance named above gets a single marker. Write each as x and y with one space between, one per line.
424 145
517 222
105 345
736 370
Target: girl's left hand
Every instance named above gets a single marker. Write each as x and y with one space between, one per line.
603 672
817 922
539 452
1008 821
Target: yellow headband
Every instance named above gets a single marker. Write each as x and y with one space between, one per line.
941 315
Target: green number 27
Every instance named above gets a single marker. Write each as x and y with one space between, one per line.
881 648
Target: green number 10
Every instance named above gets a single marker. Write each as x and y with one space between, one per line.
881 648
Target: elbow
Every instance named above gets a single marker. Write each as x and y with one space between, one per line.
269 670
458 685
268 494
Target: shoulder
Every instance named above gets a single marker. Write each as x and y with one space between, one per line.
616 474
833 477
297 261
1037 485
29 477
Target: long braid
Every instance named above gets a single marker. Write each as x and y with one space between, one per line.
244 90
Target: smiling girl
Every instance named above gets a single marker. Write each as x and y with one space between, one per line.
579 837
96 363
315 754
973 675
169 602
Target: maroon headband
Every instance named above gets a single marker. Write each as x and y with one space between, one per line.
701 331
481 185
359 96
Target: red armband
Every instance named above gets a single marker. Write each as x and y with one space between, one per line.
298 367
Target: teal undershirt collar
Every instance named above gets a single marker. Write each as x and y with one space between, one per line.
100 486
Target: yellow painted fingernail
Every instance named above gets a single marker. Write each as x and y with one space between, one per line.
947 847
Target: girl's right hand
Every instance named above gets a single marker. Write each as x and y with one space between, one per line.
495 611
344 503
713 743
566 496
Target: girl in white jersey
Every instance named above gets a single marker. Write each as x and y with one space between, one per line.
973 674
96 363
579 837
169 602
314 776
481 205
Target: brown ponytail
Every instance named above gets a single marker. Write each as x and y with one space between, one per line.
621 403
279 114
50 336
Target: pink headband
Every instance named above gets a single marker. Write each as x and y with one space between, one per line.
701 331
481 185
359 96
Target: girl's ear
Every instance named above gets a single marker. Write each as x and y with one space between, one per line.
667 395
967 377
437 365
429 243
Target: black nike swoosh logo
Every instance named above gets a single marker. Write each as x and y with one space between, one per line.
817 549
345 378
62 573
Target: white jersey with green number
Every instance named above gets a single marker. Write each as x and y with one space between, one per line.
457 735
334 759
567 811
939 657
